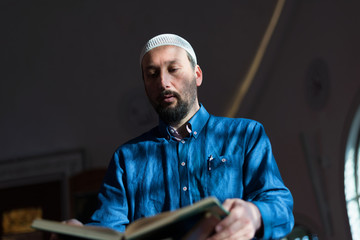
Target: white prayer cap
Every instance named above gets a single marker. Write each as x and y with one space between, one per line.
168 39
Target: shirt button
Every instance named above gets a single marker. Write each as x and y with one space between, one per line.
184 189
195 132
183 164
182 141
223 160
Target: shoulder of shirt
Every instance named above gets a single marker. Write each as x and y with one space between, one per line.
149 135
232 121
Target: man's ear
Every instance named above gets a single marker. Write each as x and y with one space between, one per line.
198 75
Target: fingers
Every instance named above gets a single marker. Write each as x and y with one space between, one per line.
228 204
234 231
242 223
234 220
73 221
234 227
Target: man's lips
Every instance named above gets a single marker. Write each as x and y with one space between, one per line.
167 97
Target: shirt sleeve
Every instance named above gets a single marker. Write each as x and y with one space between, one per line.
264 186
112 211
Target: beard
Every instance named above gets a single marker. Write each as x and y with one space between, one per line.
174 114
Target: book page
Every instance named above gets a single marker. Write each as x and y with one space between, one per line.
87 232
144 225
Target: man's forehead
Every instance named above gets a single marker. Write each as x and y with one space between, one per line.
167 54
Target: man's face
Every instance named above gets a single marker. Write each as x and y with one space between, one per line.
171 82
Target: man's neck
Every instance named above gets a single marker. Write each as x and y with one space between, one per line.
183 131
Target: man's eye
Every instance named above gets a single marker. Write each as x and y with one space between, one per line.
152 74
173 70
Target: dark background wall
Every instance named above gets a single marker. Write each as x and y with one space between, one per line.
70 79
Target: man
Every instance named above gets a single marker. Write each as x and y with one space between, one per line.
191 155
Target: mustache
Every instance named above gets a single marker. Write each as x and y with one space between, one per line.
163 94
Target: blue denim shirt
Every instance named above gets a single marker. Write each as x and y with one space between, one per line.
222 157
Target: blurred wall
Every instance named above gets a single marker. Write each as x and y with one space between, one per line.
70 79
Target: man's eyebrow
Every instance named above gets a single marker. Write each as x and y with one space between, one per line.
151 66
172 61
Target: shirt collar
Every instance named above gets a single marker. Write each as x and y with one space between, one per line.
197 123
176 134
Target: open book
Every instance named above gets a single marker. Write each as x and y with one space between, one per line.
196 221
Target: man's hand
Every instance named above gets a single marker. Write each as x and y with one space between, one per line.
73 221
242 223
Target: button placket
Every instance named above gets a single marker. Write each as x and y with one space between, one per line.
183 171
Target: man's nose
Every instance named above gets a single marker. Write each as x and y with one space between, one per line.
165 80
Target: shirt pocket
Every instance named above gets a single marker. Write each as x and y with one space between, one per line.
224 177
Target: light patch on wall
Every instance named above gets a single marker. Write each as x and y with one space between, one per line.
19 220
